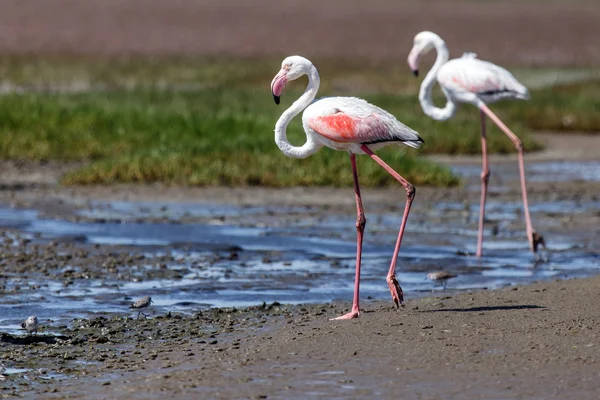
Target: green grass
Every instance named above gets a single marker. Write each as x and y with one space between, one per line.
573 107
247 169
207 137
210 121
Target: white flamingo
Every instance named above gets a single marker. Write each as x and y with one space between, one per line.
347 124
470 80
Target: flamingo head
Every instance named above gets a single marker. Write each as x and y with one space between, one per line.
292 67
423 43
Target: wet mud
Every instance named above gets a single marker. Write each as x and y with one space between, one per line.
244 282
538 341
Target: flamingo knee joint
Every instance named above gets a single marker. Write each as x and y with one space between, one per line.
485 175
361 221
519 145
411 191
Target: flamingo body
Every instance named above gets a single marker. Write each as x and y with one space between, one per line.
349 124
345 123
471 80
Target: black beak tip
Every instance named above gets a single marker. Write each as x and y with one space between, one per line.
415 72
276 98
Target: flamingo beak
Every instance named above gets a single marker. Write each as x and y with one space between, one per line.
413 61
277 85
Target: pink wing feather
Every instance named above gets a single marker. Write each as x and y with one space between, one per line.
349 120
343 128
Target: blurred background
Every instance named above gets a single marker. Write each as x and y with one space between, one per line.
177 91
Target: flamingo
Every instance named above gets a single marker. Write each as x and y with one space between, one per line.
473 81
347 124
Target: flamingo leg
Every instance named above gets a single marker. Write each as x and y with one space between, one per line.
361 221
533 237
485 177
395 289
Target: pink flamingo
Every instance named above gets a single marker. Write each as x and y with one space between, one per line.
348 124
470 80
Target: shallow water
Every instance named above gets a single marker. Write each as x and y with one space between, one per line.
549 171
258 258
308 261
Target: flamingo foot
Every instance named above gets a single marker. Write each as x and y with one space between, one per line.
537 240
351 315
396 290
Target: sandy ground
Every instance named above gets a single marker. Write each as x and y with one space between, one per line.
534 342
539 342
514 32
558 147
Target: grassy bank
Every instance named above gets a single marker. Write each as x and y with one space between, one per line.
210 122
206 137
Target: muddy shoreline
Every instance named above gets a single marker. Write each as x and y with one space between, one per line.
538 341
531 342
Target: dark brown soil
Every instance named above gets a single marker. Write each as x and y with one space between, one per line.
512 32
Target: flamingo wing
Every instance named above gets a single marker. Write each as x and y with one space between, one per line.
480 77
361 123
343 128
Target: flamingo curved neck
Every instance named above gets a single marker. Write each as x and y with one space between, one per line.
310 147
439 114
